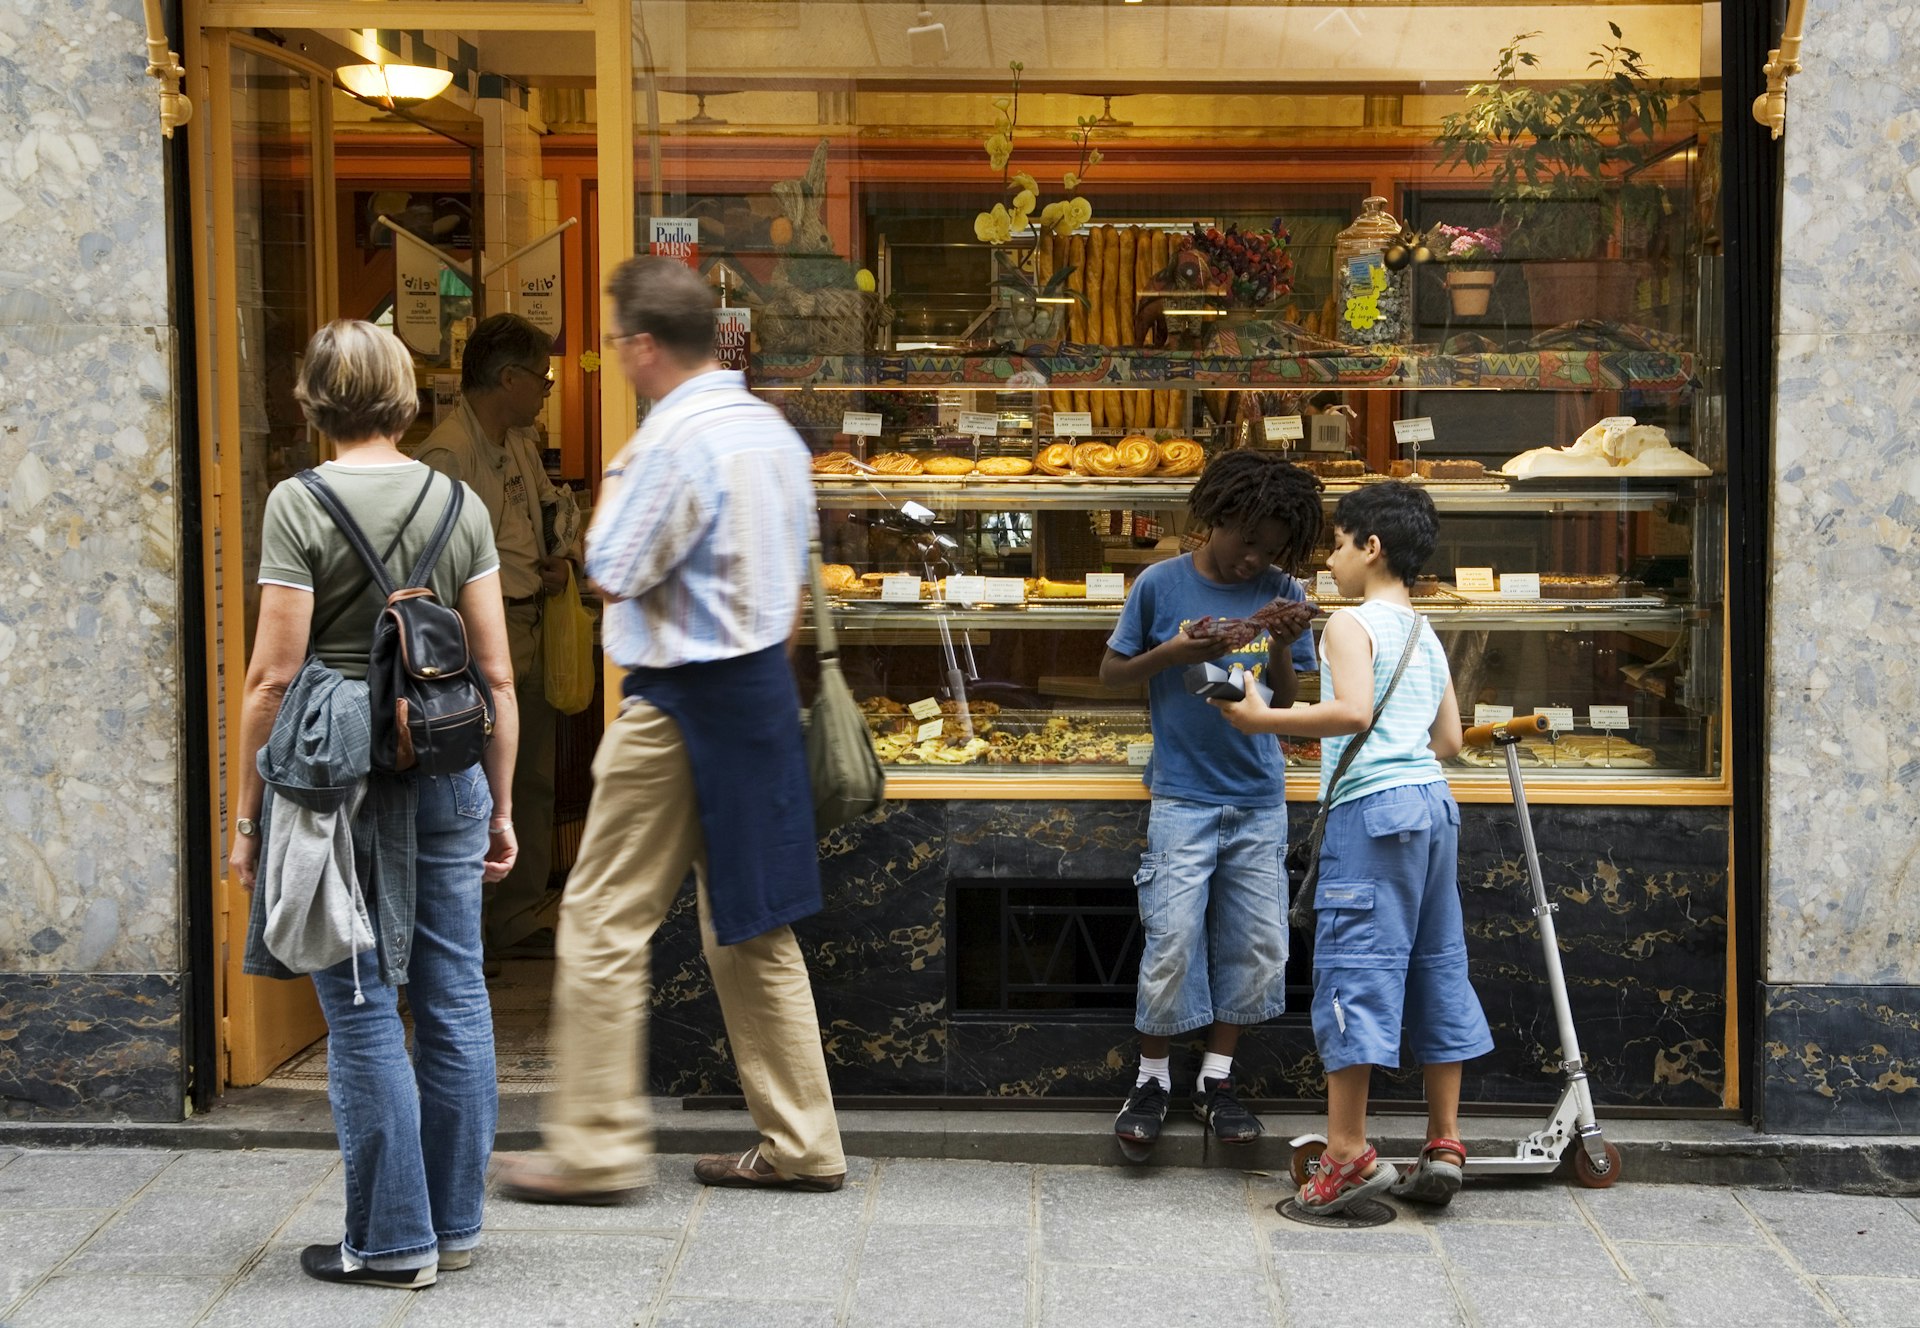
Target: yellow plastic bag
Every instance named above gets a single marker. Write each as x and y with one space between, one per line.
567 638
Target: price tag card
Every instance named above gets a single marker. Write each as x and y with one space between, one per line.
1608 717
966 589
1323 585
860 424
1491 714
1473 580
1416 430
1106 585
1005 590
1073 423
931 729
1139 753
1520 585
900 590
1284 428
1559 718
980 423
927 708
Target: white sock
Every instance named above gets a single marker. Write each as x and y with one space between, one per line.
1151 1068
1214 1066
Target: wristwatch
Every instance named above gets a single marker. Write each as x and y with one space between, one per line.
245 826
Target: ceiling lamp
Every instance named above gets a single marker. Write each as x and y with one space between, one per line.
390 85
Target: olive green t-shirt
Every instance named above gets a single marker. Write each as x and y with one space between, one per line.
300 546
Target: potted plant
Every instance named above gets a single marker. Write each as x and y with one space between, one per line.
1468 255
1565 166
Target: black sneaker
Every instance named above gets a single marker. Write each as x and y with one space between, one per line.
1220 1111
1137 1127
326 1263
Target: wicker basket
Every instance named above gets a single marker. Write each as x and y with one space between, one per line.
823 322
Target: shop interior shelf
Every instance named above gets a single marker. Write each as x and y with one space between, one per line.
1072 365
1075 493
853 618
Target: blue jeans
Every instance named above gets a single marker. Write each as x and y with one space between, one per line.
416 1134
1213 907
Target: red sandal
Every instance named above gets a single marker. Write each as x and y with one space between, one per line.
1432 1181
1337 1186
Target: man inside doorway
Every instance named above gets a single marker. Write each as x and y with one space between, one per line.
490 442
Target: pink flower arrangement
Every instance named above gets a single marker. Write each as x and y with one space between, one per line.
1459 244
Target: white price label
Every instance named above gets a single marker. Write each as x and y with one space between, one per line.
1323 584
1106 585
1491 714
1005 590
980 423
1520 585
1139 753
1473 580
1559 718
1073 423
1284 428
1416 430
966 589
926 708
1607 717
860 424
1327 433
900 590
931 729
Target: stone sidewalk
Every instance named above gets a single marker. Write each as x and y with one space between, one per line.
150 1238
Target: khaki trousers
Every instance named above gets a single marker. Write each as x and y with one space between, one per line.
642 836
516 906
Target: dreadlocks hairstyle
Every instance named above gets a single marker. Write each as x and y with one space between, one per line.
1242 488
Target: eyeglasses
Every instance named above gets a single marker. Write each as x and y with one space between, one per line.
545 376
615 338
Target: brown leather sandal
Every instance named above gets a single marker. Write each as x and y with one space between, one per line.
751 1171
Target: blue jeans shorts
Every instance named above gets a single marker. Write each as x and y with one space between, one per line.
1390 942
1213 907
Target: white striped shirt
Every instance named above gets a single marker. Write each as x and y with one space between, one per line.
702 529
1397 752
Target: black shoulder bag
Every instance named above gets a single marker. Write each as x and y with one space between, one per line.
432 708
1303 858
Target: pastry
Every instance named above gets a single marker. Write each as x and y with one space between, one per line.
835 463
942 464
1181 456
1093 458
1138 455
897 463
1455 470
1045 589
837 577
1334 470
1580 587
1005 466
1426 587
1056 459
1406 470
880 705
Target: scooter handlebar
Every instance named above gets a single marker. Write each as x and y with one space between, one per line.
1520 726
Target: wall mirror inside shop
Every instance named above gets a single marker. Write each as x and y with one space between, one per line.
1018 271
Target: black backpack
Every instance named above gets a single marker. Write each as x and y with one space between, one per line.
432 709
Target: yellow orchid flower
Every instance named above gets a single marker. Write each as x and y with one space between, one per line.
999 149
1024 202
1022 181
1070 180
1050 216
1079 213
993 227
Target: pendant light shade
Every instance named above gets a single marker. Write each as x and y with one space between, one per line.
392 84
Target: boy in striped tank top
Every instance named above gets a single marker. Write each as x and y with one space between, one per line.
1389 940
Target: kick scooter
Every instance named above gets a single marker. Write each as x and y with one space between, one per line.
1596 1163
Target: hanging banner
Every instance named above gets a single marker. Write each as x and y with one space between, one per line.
675 237
416 295
540 296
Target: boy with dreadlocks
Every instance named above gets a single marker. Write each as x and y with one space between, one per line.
1212 883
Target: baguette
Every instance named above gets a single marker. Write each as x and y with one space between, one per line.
1077 315
1110 286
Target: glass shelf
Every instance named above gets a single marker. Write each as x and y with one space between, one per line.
853 618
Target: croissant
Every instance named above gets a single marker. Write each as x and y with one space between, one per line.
898 463
1182 456
834 463
1056 459
1096 459
1138 455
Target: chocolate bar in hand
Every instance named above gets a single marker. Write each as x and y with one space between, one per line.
1284 619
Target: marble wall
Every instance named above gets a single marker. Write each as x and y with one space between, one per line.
1842 958
90 916
1643 931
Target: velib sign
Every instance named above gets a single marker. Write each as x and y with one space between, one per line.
540 291
416 302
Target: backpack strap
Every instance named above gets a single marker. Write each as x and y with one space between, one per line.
442 533
356 537
361 589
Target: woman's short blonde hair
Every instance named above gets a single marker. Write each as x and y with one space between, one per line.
357 383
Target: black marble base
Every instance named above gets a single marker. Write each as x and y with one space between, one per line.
1840 1060
1641 895
90 1046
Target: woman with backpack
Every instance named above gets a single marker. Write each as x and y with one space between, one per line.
369 831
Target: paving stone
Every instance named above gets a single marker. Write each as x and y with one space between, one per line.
1500 1247
77 1180
685 1313
247 1169
940 1275
117 1301
1529 1294
7 1155
1397 1239
1875 1302
322 1218
275 1291
1836 1234
1676 1214
1363 1290
751 1207
774 1258
1174 1219
1708 1288
1164 1295
970 1194
187 1234
1509 1201
527 1277
664 1206
33 1244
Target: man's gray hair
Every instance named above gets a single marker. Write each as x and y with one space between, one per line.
500 342
668 301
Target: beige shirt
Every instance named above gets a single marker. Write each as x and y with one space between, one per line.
508 477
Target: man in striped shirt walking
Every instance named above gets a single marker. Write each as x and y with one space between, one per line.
699 546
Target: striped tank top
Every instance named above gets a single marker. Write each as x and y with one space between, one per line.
1397 753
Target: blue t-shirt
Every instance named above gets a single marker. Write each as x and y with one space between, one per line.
1197 755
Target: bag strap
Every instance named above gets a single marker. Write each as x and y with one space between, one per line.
1353 748
356 537
361 589
826 646
437 542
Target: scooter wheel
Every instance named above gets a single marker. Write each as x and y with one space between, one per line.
1305 1161
1591 1177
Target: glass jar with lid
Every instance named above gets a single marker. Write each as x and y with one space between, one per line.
1376 306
